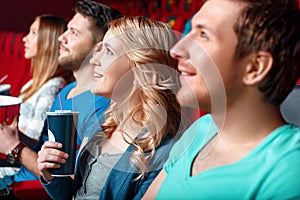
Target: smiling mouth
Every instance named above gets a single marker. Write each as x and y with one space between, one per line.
186 69
62 49
186 73
97 76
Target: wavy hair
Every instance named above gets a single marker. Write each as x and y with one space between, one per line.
44 65
146 43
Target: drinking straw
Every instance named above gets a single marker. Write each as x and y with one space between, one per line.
3 78
60 102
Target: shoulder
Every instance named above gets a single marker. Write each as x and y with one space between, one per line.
285 139
68 87
282 178
53 85
282 147
55 81
100 100
281 158
98 103
92 103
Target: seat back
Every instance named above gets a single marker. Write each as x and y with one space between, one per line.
12 61
30 190
290 108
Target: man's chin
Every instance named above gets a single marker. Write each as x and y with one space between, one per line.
67 63
61 60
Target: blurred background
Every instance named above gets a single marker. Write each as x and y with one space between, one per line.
16 17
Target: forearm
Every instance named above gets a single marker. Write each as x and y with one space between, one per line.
28 158
27 140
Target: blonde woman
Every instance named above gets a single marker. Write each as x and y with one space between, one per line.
42 47
134 69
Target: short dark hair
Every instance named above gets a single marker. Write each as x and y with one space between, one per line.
272 26
99 13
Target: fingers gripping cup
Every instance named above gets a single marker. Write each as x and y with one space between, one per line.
62 128
9 108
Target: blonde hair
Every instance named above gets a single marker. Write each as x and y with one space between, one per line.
45 65
146 44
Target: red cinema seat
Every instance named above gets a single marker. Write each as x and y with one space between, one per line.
154 10
12 61
30 190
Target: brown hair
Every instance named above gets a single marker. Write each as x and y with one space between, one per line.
272 26
45 65
99 15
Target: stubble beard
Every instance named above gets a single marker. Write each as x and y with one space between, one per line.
69 63
72 62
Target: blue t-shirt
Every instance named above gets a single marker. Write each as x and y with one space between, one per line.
269 171
91 108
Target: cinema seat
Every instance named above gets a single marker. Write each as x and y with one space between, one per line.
30 190
12 61
290 108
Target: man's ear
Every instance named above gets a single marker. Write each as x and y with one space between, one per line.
258 67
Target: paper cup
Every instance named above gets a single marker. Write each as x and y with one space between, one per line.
62 127
9 108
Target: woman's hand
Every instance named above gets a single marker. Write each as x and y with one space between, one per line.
50 157
9 136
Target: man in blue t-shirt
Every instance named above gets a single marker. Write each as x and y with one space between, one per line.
238 63
77 44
